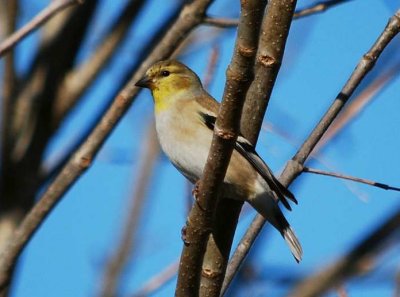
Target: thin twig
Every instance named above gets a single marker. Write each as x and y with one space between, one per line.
191 16
318 7
158 281
36 22
357 105
123 251
200 221
352 178
295 166
315 8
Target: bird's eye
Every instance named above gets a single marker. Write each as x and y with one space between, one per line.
165 73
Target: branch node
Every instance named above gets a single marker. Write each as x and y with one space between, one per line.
227 135
268 61
245 51
85 162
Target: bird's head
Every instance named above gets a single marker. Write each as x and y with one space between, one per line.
168 81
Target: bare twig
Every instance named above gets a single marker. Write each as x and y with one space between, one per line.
158 281
295 166
189 18
315 8
352 263
36 22
200 220
123 252
352 178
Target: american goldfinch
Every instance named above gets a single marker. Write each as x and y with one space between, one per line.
185 115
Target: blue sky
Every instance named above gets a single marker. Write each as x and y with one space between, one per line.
67 255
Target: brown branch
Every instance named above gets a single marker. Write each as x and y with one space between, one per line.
295 166
352 178
352 263
275 30
46 14
158 281
77 81
189 18
115 266
200 221
315 8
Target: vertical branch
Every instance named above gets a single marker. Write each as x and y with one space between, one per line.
123 252
273 36
295 166
228 211
200 220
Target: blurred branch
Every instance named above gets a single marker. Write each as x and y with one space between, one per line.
189 18
200 221
115 266
295 166
315 8
273 36
51 10
158 281
352 178
78 80
352 263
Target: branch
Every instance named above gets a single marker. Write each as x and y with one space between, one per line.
318 7
352 178
36 22
295 166
273 36
200 221
352 263
315 8
123 252
189 18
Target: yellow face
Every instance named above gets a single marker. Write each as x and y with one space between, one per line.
167 80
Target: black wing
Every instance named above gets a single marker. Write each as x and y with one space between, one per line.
247 150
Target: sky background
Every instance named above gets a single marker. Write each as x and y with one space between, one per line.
67 255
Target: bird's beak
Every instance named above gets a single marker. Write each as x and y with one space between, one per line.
144 82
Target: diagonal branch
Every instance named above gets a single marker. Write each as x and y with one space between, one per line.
200 221
295 166
191 15
36 22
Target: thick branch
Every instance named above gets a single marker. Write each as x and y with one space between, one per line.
295 166
274 32
189 18
200 220
36 22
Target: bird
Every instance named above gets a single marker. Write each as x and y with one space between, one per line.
185 116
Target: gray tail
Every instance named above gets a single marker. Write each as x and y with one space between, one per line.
293 243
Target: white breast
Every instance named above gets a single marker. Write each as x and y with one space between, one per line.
184 139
